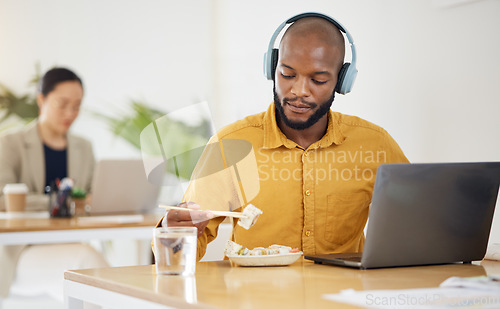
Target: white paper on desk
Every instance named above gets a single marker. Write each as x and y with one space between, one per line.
482 283
419 298
112 219
24 215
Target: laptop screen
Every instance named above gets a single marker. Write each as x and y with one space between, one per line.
122 186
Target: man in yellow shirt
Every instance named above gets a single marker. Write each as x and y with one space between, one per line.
316 167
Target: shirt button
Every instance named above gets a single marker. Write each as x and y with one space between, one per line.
308 192
306 154
308 233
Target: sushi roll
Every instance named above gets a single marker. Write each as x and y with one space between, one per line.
278 249
252 214
233 248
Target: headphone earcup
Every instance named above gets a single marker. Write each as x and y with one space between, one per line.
341 77
274 62
346 78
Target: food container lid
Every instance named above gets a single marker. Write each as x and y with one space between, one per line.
15 188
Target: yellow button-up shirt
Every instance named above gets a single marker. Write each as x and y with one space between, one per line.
314 199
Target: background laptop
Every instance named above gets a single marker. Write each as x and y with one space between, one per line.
425 214
121 186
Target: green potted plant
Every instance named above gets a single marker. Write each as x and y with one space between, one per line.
181 136
16 110
78 197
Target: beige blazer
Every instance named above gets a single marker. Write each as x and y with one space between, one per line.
22 161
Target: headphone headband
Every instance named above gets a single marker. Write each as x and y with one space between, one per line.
347 73
312 14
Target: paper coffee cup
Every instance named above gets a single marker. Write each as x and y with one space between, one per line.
15 197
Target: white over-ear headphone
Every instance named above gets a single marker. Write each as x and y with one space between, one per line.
347 73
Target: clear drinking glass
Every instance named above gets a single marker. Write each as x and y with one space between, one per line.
175 250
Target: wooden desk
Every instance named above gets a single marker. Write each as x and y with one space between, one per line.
21 231
219 285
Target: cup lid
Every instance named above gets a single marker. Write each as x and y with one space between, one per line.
15 188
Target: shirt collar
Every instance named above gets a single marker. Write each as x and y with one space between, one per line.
274 138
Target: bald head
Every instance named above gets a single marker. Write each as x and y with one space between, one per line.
315 31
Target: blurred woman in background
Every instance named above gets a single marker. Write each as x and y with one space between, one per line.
44 150
39 155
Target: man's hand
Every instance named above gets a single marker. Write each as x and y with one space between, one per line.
197 218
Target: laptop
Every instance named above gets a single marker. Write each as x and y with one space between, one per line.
424 214
120 186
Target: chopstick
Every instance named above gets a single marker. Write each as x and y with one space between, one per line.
217 213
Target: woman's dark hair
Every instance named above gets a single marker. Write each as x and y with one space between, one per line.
55 76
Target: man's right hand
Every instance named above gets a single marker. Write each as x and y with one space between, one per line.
197 218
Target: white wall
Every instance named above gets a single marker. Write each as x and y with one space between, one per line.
157 51
428 73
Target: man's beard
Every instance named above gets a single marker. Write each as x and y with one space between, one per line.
302 125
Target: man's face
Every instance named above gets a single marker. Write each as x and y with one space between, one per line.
321 111
305 80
